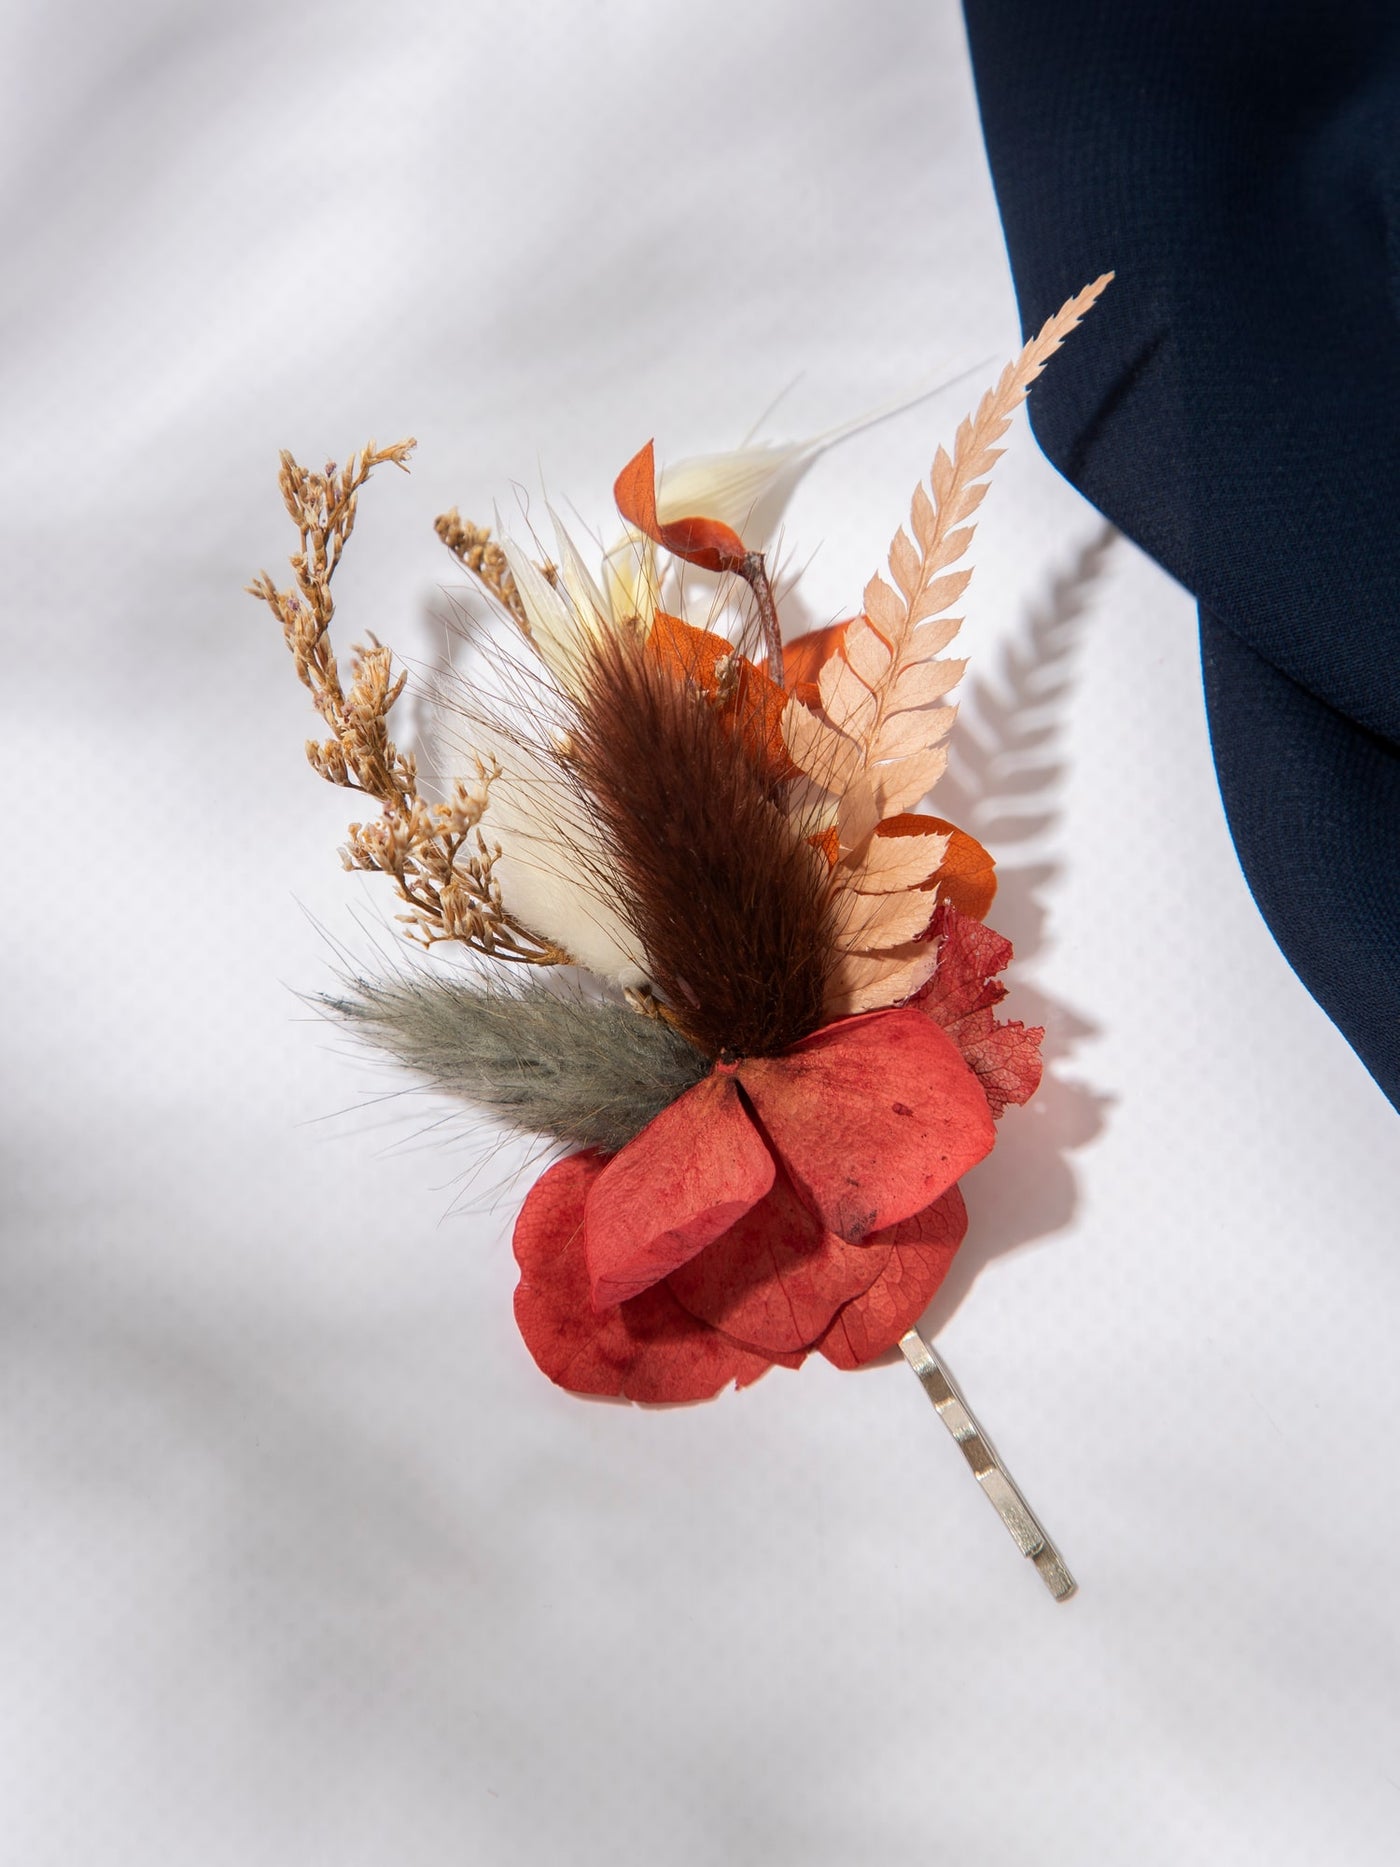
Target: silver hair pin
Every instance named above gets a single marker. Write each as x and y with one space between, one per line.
987 1468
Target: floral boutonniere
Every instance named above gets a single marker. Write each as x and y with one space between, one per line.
776 1050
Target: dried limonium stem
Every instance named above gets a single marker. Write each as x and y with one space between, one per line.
436 853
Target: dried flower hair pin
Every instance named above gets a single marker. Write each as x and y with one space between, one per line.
781 1052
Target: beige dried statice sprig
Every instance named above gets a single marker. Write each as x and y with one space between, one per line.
436 853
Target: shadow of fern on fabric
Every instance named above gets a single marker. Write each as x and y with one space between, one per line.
1007 769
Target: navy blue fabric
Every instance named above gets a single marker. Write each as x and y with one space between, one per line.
1233 402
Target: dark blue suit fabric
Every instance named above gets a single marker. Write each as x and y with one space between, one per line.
1233 403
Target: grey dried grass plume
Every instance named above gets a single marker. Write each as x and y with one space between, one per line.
587 1072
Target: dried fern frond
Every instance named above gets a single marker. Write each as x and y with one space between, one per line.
878 743
589 1073
436 853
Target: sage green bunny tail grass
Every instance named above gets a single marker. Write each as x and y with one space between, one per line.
546 1062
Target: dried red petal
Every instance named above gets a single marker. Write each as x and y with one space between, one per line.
648 1349
776 1278
970 956
922 1248
708 543
1004 1054
873 1117
676 1186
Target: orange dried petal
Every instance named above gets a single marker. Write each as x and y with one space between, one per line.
708 543
966 877
804 659
753 704
828 842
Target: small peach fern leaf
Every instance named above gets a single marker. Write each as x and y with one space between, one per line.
879 742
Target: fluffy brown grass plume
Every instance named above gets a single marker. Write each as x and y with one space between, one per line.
731 904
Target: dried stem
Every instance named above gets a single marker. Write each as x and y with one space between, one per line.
755 575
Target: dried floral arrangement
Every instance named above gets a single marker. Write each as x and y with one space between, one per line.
776 1051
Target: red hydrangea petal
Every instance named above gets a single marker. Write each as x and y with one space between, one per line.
970 955
680 1183
1006 1060
1005 1055
921 1251
873 1117
648 1349
776 1278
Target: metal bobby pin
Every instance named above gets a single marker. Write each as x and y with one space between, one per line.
987 1467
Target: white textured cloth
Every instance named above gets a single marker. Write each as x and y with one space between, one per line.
303 1560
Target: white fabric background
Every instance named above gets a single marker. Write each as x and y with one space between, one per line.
302 1559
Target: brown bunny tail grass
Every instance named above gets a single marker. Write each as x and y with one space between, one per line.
731 905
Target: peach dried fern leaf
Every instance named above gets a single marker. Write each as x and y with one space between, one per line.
877 743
